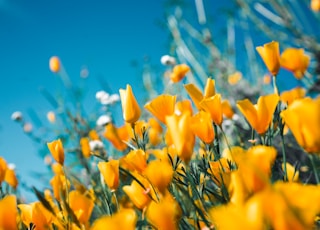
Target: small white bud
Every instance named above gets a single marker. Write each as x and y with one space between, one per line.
103 120
95 144
100 94
167 60
17 116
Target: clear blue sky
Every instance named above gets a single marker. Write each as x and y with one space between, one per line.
103 35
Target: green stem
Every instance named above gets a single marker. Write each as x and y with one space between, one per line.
284 159
314 168
275 88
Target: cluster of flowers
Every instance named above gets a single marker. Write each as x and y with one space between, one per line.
178 169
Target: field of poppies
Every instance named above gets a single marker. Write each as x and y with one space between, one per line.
193 156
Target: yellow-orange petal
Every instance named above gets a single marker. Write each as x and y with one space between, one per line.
11 178
249 111
290 95
270 55
315 5
295 60
210 88
110 173
8 213
161 106
201 125
54 64
195 94
213 106
56 150
85 147
159 174
81 205
266 106
179 72
227 109
130 107
137 194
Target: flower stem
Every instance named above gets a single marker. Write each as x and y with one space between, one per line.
284 158
275 88
314 168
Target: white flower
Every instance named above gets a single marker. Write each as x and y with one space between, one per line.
100 94
16 116
103 120
114 98
12 166
95 144
167 60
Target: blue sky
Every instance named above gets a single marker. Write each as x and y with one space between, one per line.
105 36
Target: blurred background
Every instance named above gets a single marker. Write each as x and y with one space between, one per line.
104 45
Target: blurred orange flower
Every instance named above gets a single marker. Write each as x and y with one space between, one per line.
54 64
270 55
302 117
295 60
181 135
160 174
8 213
260 115
81 206
290 95
124 219
179 72
315 5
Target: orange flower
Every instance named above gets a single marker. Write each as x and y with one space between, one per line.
227 109
202 127
135 160
164 215
85 147
8 213
37 214
159 174
161 106
57 150
179 72
124 219
302 118
295 61
155 131
181 135
117 136
130 107
11 178
183 106
81 205
213 106
137 194
260 115
270 55
54 64
94 135
110 173
59 185
289 96
315 5
234 78
3 168
196 95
